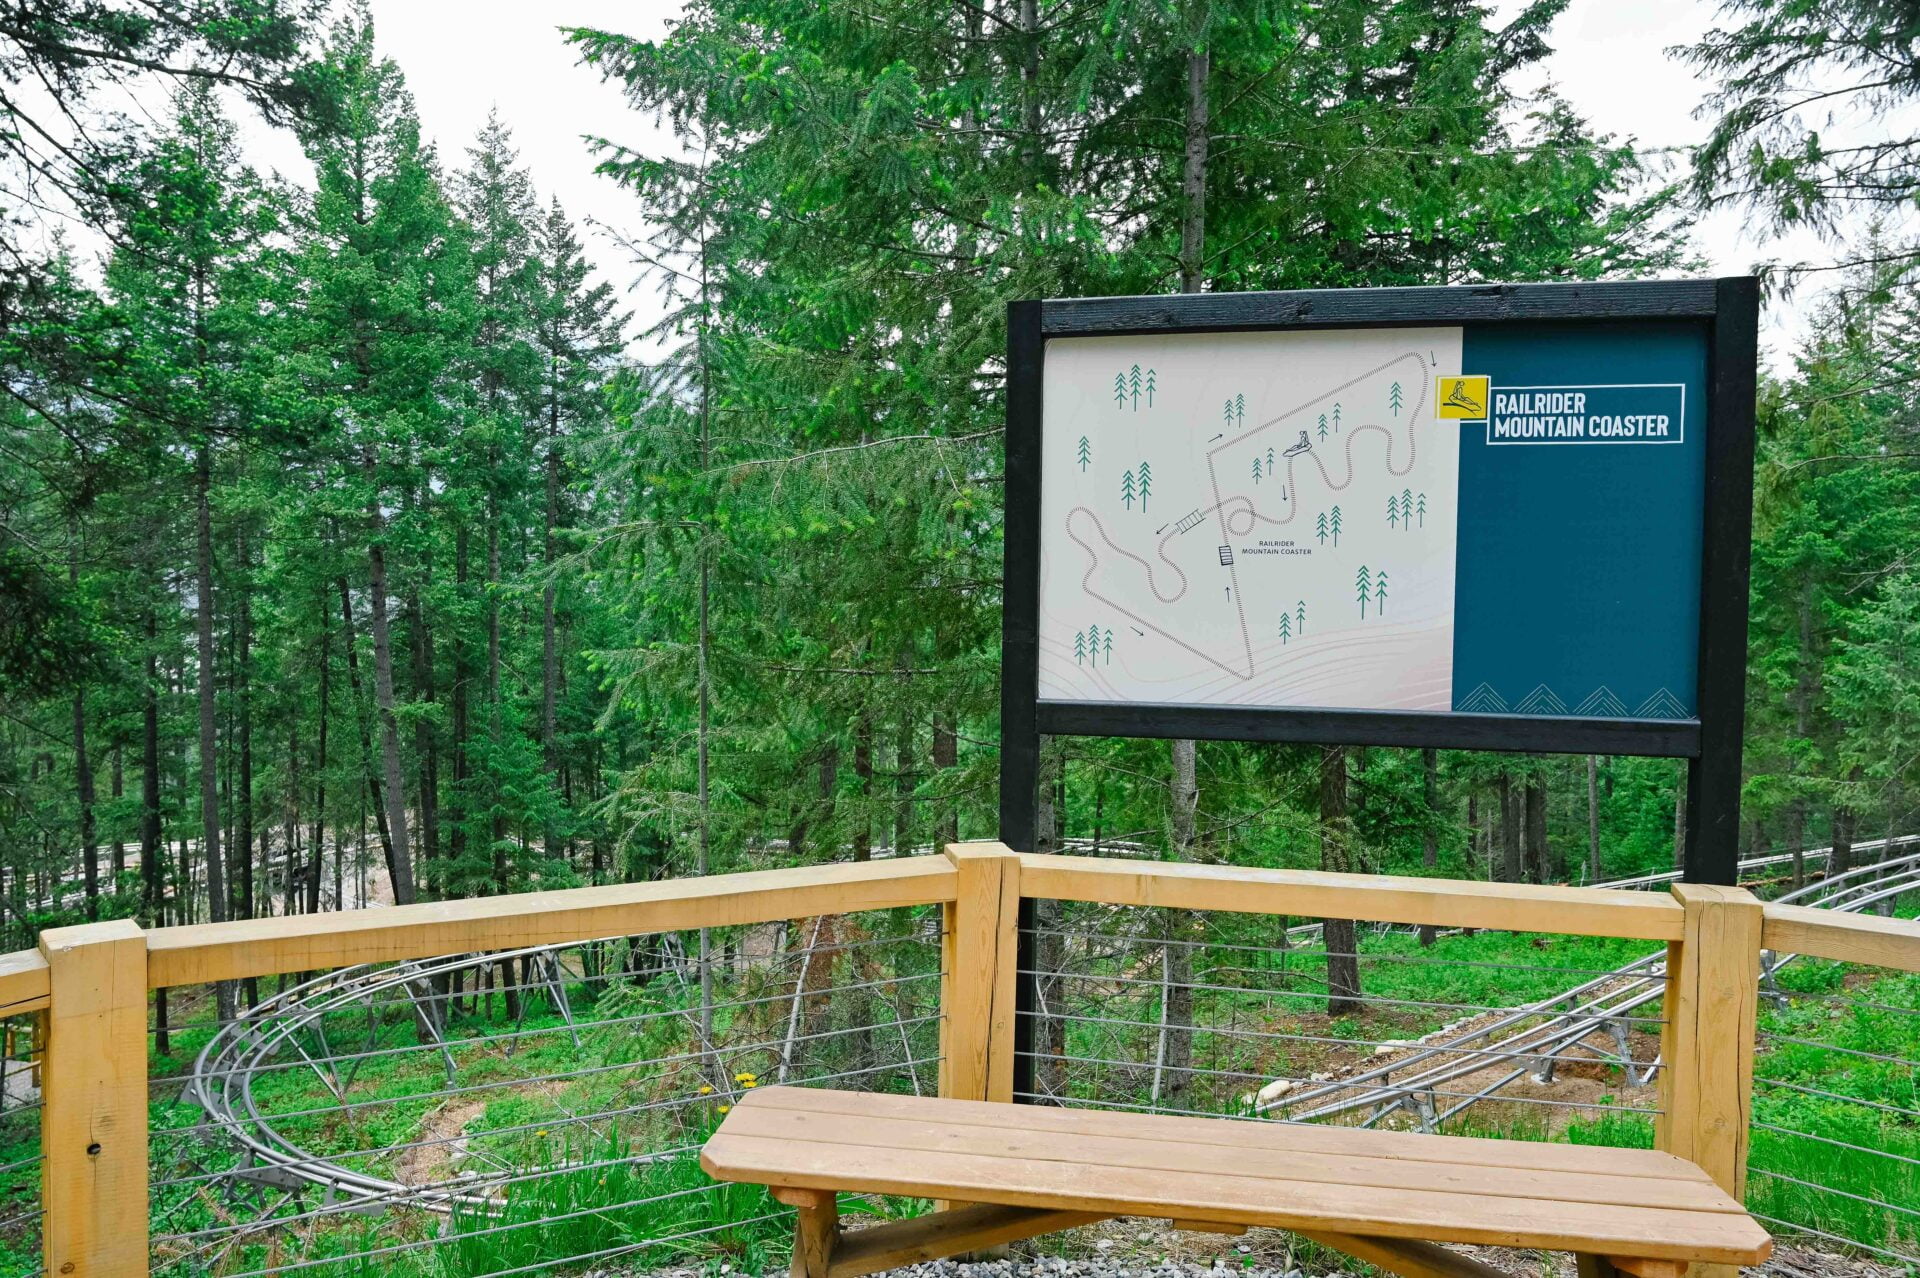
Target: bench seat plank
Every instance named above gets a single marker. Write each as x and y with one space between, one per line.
1268 1164
1315 1138
1150 1165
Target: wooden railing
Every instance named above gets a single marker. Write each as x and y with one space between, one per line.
91 982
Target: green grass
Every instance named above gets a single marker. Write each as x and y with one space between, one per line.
668 1208
578 1189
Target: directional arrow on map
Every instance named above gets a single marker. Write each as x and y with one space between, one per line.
1138 631
1221 435
1162 528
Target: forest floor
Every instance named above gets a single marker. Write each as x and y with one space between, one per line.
1151 1249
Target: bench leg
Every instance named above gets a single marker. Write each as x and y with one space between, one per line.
1630 1267
816 1231
1408 1257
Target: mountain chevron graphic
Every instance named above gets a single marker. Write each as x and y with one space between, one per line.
1601 703
1483 700
1662 705
1541 701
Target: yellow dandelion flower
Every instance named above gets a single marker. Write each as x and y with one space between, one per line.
541 1132
749 1083
706 1089
725 1108
743 1078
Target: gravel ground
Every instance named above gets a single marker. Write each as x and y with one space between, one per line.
1148 1249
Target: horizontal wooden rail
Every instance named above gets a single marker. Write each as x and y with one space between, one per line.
314 942
1511 907
25 985
1851 938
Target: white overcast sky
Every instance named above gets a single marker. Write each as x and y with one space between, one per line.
464 57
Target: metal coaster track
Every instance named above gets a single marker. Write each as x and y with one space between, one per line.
1551 1029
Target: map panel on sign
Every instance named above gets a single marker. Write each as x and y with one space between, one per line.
1251 519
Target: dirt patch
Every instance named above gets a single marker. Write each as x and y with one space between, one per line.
430 1158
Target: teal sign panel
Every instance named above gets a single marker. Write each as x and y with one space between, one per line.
1577 590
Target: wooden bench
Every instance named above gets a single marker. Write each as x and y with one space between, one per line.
1387 1197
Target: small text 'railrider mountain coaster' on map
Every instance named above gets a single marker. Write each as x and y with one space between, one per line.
1482 519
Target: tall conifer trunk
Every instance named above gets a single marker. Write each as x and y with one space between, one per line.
399 856
243 681
460 725
425 741
946 754
549 635
316 854
118 792
360 720
1510 866
209 709
1593 818
1430 833
496 824
152 853
1539 856
1339 936
82 765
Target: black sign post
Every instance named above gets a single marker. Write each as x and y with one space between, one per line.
1725 311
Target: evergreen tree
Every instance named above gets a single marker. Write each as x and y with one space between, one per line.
389 302
1786 69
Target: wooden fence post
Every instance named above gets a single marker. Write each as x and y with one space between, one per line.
979 958
1707 1044
93 1125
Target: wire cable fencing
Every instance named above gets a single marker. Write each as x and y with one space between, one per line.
1834 1152
22 1046
515 1111
1176 1011
1484 1033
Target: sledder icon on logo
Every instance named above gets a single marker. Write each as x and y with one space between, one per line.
1461 398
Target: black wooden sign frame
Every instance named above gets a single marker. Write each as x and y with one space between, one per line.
1727 308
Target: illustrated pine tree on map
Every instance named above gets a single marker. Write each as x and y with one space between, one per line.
1079 648
1127 489
1406 509
1150 385
1106 646
1085 451
1133 385
1421 509
1336 416
1380 594
1333 523
1226 412
1393 510
1240 409
1363 581
1286 629
1269 461
1393 398
1256 470
1092 638
1120 390
1320 527
1323 428
1146 485
1301 620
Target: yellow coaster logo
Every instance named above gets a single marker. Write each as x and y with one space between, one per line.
1461 398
